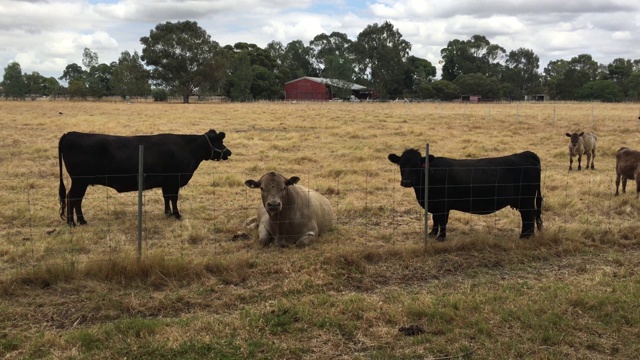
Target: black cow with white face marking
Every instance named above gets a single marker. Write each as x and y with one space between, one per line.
97 159
476 186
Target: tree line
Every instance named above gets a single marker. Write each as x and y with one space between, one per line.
181 59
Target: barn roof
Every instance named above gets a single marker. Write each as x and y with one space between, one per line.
332 82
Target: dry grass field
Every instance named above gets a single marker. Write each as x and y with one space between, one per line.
203 290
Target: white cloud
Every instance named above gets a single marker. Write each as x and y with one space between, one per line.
54 33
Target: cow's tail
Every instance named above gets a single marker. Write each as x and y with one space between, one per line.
539 209
538 193
62 191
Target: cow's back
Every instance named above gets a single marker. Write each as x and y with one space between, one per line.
590 141
627 162
97 154
323 212
313 207
482 185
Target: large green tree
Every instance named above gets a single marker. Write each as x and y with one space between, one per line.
564 78
89 59
73 72
380 53
633 86
264 85
333 54
52 87
99 81
297 61
34 84
13 82
239 82
619 71
521 72
445 90
478 84
182 57
476 55
129 77
418 74
603 90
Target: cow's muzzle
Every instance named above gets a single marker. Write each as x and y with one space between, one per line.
220 154
273 206
406 183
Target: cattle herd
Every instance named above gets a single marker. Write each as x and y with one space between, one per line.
291 214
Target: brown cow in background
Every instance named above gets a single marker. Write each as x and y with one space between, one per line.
582 144
627 168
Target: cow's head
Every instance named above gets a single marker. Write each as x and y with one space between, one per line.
575 139
411 164
274 189
218 150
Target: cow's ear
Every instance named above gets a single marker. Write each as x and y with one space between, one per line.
394 158
221 135
568 135
252 184
582 133
292 181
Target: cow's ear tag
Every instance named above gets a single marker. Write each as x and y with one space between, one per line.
252 184
292 181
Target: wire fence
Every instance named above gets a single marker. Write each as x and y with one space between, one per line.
367 204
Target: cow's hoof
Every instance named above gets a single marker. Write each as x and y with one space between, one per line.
82 222
177 216
71 224
440 239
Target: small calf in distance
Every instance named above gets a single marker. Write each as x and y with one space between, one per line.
627 168
582 144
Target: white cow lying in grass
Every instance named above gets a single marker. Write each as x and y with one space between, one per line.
290 214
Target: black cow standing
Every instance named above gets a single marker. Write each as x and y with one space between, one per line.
477 186
169 162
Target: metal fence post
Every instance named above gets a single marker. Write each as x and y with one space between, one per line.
426 194
140 189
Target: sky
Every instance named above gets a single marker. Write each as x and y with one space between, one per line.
47 35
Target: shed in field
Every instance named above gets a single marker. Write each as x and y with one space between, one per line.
321 89
536 97
470 98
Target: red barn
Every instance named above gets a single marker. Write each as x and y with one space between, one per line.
319 89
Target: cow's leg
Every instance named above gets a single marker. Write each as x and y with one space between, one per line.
167 207
306 239
617 184
264 236
588 160
170 195
441 219
570 162
74 199
174 204
435 227
579 162
528 222
637 187
624 185
593 159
